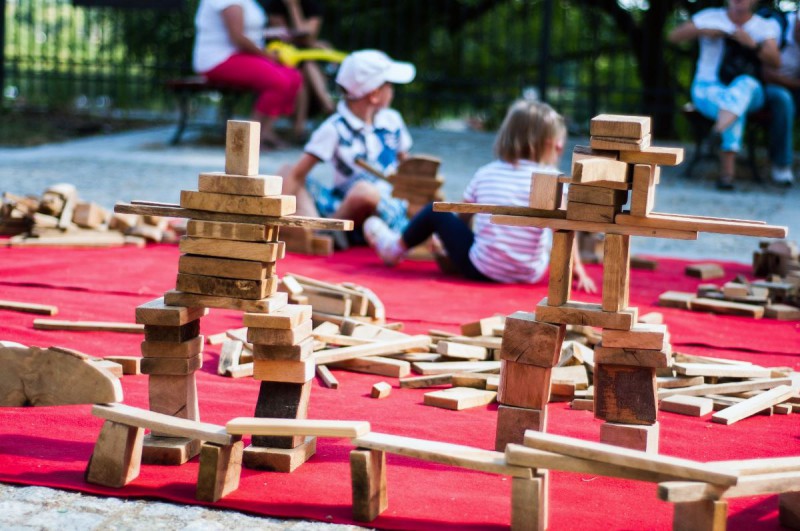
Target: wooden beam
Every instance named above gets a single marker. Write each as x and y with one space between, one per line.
372 349
726 388
27 307
675 222
87 326
290 427
591 226
485 208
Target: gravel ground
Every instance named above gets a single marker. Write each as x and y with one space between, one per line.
140 165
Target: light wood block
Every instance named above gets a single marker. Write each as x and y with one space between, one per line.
754 404
663 156
583 313
616 272
676 382
640 336
254 251
221 230
591 213
372 349
634 356
286 318
230 356
450 367
225 268
394 368
219 471
172 349
635 437
131 365
512 422
720 370
368 480
257 185
529 498
705 271
705 515
526 340
89 215
282 400
283 370
117 455
327 377
782 312
269 304
676 299
242 147
625 394
702 304
522 385
176 427
726 388
546 191
168 451
643 191
172 334
482 327
620 144
620 126
580 193
41 309
272 206
306 427
380 390
171 366
87 326
694 406
278 336
458 398
560 283
461 351
298 352
284 460
599 171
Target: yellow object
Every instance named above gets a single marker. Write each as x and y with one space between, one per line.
290 55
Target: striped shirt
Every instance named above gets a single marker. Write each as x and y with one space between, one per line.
503 253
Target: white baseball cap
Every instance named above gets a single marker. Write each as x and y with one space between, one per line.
363 71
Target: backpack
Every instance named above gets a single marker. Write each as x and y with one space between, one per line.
782 18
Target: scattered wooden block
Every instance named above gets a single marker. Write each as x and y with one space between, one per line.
242 146
224 267
87 326
450 367
219 471
582 313
513 421
290 427
171 366
705 271
782 312
482 327
117 455
582 404
131 365
720 370
753 405
675 299
625 394
643 191
368 480
526 386
640 262
546 191
693 406
380 390
527 341
222 230
620 126
599 171
272 206
458 398
283 370
616 272
663 156
620 144
393 368
257 185
702 304
372 349
633 436
560 283
41 309
327 377
284 460
574 375
726 388
89 215
229 356
461 351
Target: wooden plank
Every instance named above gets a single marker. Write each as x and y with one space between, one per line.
176 427
327 377
561 265
752 485
416 382
317 428
242 147
726 388
450 367
176 211
484 208
445 453
256 185
766 465
703 304
753 405
277 206
643 191
589 226
591 212
374 349
375 365
620 144
27 307
616 272
599 170
694 406
584 313
546 191
620 126
269 304
248 232
676 222
721 371
458 398
87 326
605 453
640 336
663 156
254 251
597 195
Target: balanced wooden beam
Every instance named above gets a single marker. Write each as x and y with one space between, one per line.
290 427
371 349
591 226
720 226
754 485
483 208
87 326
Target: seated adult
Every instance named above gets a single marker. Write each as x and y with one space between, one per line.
229 48
734 43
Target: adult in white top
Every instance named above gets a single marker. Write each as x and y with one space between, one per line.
229 48
728 104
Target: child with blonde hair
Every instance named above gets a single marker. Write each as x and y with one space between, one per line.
531 139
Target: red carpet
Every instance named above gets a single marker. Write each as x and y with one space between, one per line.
50 446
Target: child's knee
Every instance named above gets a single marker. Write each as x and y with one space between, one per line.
364 193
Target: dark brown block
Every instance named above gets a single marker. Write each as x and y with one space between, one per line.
523 385
282 400
625 394
219 472
528 341
368 477
171 366
174 395
703 515
512 423
176 334
117 455
789 509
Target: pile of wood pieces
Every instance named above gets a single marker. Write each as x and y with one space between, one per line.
417 180
59 217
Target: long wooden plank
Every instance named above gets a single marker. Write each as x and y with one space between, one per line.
755 485
676 222
485 208
87 326
444 453
146 208
721 370
615 455
753 405
174 426
591 226
726 388
291 427
372 349
772 465
28 307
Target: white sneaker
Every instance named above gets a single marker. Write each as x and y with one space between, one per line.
384 240
782 175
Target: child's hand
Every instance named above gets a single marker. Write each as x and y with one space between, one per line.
584 281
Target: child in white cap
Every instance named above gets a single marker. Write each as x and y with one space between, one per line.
363 127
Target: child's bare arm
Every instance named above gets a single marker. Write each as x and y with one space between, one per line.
582 278
297 177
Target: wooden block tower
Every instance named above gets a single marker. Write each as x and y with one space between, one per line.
230 254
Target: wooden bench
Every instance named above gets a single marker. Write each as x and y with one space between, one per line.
187 88
700 128
117 455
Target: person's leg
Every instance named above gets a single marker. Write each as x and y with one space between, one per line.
781 105
359 203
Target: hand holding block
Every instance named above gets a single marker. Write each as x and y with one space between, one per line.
530 342
242 144
546 191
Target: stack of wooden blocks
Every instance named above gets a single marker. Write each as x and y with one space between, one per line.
417 181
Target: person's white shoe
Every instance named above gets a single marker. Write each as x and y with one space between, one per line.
384 240
782 176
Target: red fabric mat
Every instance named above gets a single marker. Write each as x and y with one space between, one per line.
50 446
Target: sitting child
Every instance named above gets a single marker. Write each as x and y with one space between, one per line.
363 127
530 140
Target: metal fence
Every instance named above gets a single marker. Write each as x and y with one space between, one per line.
473 56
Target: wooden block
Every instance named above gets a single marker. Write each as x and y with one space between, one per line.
368 480
282 400
168 451
702 304
257 185
625 394
461 351
131 365
640 336
450 367
328 303
529 498
753 405
634 356
591 213
528 341
597 171
640 262
643 191
482 327
157 312
580 193
380 390
394 368
175 396
87 326
574 375
694 406
512 422
298 352
789 509
583 313
288 317
726 388
269 304
458 398
283 370
221 230
523 385
225 268
219 471
721 370
272 206
117 455
546 191
675 382
171 366
582 404
675 299
278 336
560 283
176 334
41 309
227 287
242 145
230 356
172 349
327 377
253 251
638 228
782 312
704 515
616 272
705 271
682 222
635 437
284 460
393 346
733 290
620 126
89 215
620 144
663 156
